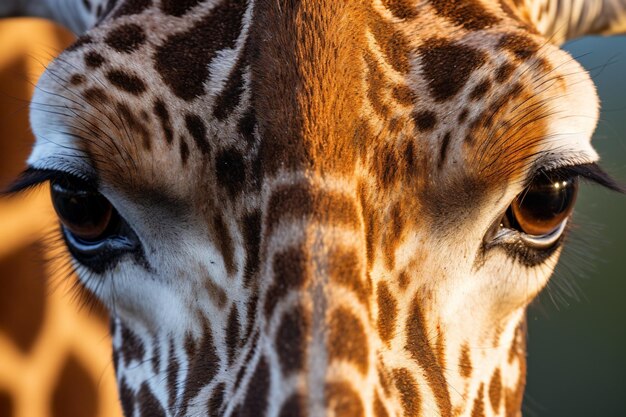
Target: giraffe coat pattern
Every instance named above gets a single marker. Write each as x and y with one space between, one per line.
311 184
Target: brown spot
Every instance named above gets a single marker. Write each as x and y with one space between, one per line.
383 379
347 340
513 397
230 171
126 81
75 393
343 401
95 96
291 340
172 376
409 156
190 345
132 347
387 313
126 38
202 367
289 267
480 90
393 43
463 115
495 391
178 7
518 345
418 346
403 279
160 111
246 126
504 71
447 66
386 165
344 268
232 333
443 151
404 95
225 243
197 129
465 362
255 404
251 311
379 407
425 120
127 398
295 406
402 9
216 401
478 410
80 42
467 13
93 59
184 150
131 7
300 201
149 405
252 239
23 278
393 235
134 124
183 60
441 349
372 226
409 394
522 46
377 86
77 79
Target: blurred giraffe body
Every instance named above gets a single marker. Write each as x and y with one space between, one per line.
310 194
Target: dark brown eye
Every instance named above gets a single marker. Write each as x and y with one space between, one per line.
544 206
84 212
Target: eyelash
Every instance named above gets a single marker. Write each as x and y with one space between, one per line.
591 172
32 178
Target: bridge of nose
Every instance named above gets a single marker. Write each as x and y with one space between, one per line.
316 293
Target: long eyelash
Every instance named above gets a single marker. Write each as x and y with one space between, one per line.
34 177
591 172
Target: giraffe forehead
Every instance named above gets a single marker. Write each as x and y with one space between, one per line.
332 86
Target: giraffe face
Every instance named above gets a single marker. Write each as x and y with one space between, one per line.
312 206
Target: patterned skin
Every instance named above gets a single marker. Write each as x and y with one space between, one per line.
312 193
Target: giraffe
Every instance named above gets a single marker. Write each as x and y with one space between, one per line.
316 208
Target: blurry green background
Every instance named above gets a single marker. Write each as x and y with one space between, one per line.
577 327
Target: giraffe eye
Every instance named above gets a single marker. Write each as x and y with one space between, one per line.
95 234
541 211
84 212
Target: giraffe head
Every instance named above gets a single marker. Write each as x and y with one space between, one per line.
315 208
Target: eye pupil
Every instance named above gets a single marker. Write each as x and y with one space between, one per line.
544 205
84 212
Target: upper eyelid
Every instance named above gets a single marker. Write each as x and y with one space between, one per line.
33 177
